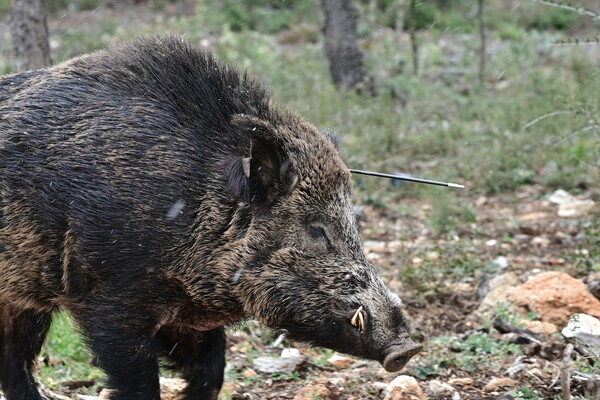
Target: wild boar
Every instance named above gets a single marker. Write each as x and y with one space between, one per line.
160 196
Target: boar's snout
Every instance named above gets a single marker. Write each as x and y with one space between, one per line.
398 356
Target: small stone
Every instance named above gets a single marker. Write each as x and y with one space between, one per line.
433 256
545 328
340 361
249 373
560 197
318 389
584 327
534 216
290 352
480 202
417 261
555 296
569 206
437 387
404 387
171 387
496 383
269 365
461 381
374 245
501 262
556 261
491 242
498 292
577 208
540 241
105 394
379 386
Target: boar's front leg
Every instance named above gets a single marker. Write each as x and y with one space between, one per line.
123 346
199 356
22 333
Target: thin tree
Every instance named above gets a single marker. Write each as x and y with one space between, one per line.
482 40
412 29
399 24
341 47
29 32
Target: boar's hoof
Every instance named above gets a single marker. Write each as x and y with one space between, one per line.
399 356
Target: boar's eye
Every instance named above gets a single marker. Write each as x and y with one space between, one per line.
317 232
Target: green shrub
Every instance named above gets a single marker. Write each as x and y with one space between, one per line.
551 18
426 14
87 5
525 393
56 5
258 15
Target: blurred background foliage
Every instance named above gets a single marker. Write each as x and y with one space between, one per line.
532 121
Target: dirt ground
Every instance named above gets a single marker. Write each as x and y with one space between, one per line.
523 228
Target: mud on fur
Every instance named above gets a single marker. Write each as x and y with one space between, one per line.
160 196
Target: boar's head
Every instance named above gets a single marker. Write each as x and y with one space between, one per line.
304 270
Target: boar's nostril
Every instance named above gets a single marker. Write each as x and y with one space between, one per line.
398 357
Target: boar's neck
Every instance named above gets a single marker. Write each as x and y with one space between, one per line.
217 250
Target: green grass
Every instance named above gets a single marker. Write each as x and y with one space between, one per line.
466 353
65 356
525 393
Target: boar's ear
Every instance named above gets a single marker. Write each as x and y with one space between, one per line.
333 138
267 173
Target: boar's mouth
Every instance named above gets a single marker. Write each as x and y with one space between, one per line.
395 356
398 356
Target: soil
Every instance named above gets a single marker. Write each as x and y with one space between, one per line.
540 241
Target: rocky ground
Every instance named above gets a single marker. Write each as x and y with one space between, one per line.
488 299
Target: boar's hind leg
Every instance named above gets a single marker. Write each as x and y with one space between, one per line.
22 333
121 341
199 356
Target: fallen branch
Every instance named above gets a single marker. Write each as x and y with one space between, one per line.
542 117
504 327
591 384
578 10
565 372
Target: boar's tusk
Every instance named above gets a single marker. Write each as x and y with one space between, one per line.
358 319
246 167
361 322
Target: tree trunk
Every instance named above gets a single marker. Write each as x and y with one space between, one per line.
29 34
399 25
413 36
372 11
345 58
482 43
